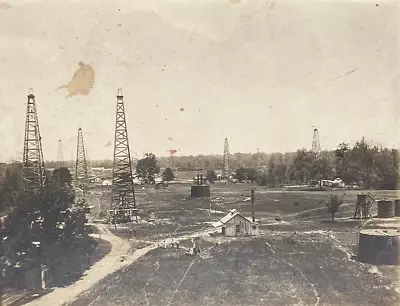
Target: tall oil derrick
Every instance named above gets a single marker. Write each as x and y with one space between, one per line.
81 172
316 147
60 156
33 174
122 193
225 169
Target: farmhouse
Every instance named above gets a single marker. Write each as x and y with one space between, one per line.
234 224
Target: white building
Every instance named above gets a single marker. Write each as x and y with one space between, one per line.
106 183
234 224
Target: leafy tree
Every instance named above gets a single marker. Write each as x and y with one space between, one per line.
147 168
240 174
61 177
252 174
211 176
243 174
168 175
333 205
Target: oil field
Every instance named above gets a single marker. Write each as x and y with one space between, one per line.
207 240
244 162
302 259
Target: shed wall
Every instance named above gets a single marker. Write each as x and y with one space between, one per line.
245 227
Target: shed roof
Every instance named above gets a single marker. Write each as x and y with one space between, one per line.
229 216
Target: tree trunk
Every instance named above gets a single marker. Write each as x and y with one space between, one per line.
333 217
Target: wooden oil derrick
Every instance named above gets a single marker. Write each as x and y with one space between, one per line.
316 147
226 170
60 156
81 171
33 173
123 203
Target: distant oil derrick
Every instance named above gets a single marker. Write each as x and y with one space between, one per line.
81 171
226 172
316 147
33 174
123 203
60 156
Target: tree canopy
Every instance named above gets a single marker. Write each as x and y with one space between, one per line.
147 168
168 175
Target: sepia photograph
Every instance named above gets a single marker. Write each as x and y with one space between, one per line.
199 152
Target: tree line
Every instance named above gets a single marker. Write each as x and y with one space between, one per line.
363 164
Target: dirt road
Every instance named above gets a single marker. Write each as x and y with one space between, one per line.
112 262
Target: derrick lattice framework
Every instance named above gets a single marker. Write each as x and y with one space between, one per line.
33 174
81 171
60 156
225 169
316 147
122 193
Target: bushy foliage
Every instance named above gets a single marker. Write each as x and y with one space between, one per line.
46 219
168 175
333 205
147 168
211 176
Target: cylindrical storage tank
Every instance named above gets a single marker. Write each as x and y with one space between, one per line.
385 208
397 207
200 191
379 246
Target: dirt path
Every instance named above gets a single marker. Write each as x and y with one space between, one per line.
118 258
107 265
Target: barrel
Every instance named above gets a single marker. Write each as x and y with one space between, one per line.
379 246
397 207
385 208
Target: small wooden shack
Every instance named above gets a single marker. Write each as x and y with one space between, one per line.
234 224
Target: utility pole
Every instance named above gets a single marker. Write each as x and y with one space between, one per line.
122 192
33 171
252 205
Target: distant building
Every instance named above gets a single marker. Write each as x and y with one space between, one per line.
106 183
234 224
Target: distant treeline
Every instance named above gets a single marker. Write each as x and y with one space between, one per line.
362 164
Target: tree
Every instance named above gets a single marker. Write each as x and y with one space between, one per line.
147 168
252 175
240 174
333 205
168 175
61 177
211 176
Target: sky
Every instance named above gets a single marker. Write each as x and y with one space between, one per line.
262 73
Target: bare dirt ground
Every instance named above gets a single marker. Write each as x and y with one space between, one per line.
304 259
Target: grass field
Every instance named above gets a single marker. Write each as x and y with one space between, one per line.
304 259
